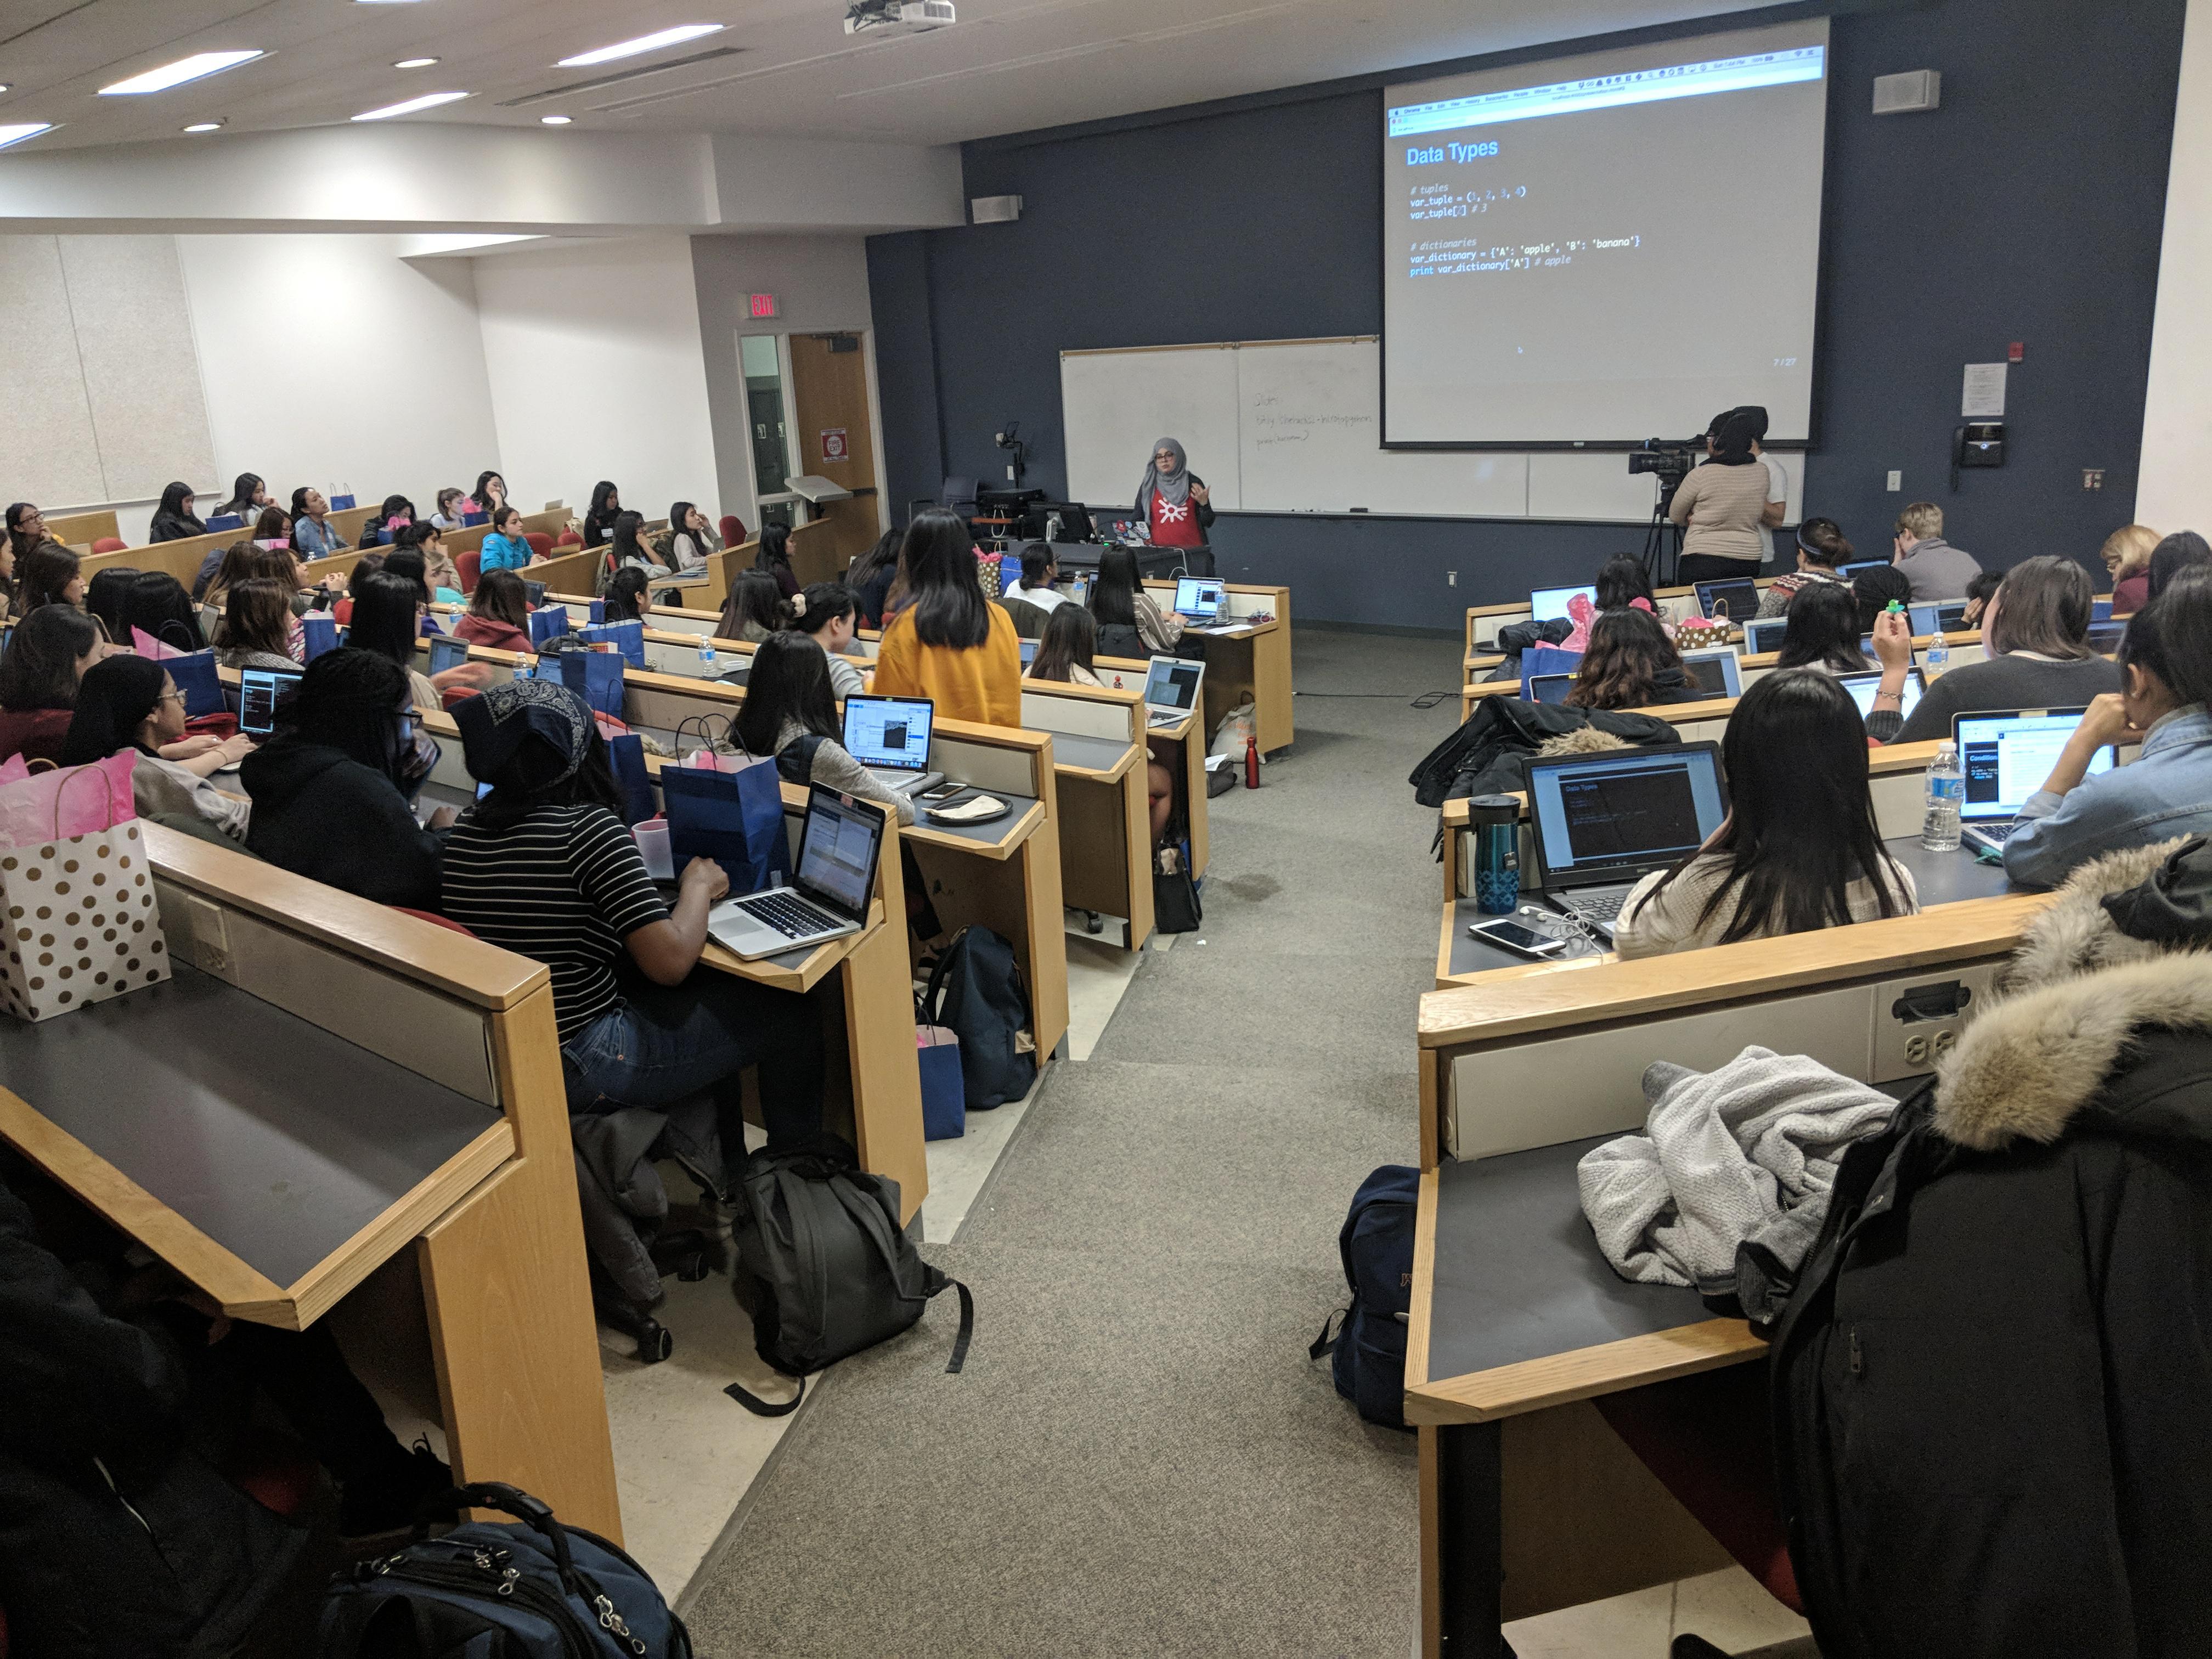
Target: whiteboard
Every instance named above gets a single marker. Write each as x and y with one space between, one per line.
1291 426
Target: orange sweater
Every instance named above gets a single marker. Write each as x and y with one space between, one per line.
982 683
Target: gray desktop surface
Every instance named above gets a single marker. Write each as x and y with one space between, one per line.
988 833
275 1138
1097 754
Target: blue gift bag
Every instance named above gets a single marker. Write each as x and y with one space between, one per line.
599 612
626 637
944 1095
195 677
548 625
320 632
594 675
735 818
626 757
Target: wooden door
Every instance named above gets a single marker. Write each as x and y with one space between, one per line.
829 395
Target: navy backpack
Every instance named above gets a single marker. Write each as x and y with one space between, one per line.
1376 1243
977 991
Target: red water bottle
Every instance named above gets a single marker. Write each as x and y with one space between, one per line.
1251 762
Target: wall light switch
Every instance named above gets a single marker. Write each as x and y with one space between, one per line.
1451 579
1897 481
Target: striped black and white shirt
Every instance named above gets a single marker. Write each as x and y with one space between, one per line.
564 885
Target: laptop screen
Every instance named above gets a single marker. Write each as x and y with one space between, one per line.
1863 686
2105 636
1550 687
892 732
1736 598
1550 604
1850 570
259 691
1029 651
1198 596
837 852
2006 757
446 652
1766 635
1714 672
1613 818
1173 683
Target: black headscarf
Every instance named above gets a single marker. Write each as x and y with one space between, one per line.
1733 435
112 701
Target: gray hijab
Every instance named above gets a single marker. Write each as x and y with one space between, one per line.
1173 487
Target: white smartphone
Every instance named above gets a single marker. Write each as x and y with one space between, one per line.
1521 941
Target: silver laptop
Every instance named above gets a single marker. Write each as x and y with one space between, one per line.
1602 823
1863 686
828 897
890 736
2006 756
1171 689
1200 600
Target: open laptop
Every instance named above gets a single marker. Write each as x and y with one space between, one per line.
259 691
1199 599
1736 598
2105 636
1601 823
1715 668
890 736
1762 636
2005 756
231 521
1946 617
1550 687
1863 688
1029 651
1171 688
1550 604
1847 571
828 893
447 652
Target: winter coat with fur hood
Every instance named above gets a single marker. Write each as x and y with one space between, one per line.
1992 1390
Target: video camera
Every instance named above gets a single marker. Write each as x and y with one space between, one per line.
1670 458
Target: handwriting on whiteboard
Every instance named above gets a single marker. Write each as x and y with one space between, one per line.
1292 429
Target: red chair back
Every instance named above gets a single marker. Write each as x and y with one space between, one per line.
471 565
110 544
567 538
540 542
733 528
425 915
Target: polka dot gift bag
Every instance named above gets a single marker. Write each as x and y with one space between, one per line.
76 893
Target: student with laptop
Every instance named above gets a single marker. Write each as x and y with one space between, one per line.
256 629
1798 850
1631 664
2036 631
789 714
2166 668
1823 631
951 644
1067 649
1118 601
387 619
543 866
1200 601
1820 548
1936 569
831 618
332 786
128 702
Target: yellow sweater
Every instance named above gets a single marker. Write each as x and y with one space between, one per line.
981 683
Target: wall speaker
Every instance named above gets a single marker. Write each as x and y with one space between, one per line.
1907 93
995 209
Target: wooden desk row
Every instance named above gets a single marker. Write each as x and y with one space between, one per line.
1529 1501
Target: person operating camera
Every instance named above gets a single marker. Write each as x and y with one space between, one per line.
1722 506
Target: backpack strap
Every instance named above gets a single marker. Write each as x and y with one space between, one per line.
1328 1338
760 1407
938 975
794 762
877 1226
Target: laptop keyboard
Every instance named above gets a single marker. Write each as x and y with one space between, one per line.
792 917
1595 907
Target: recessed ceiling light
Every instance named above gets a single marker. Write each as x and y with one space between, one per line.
204 126
643 43
554 120
414 63
428 100
22 129
176 75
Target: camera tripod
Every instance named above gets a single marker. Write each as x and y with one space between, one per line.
1663 544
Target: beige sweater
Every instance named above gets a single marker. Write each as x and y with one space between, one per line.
1670 922
1720 507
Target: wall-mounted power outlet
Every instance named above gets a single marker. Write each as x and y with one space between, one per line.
2092 477
1917 1021
1451 579
1896 481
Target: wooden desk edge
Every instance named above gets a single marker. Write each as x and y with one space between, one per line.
803 978
1532 1385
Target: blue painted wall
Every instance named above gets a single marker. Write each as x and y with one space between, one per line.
2029 208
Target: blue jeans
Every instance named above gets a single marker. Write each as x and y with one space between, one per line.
666 1043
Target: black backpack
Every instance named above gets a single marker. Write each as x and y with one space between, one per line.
1485 756
977 990
1376 1244
832 1271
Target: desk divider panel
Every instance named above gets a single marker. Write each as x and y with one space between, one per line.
1101 714
985 765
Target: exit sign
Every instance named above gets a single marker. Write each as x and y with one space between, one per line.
763 304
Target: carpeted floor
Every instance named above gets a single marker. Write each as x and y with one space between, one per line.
1139 1458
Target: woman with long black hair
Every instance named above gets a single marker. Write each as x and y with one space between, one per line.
872 575
395 515
131 703
775 557
1118 599
490 495
949 644
1631 664
1823 631
791 713
248 495
313 537
173 520
599 518
1798 851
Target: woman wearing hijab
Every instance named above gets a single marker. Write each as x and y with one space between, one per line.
1722 506
173 520
543 866
131 703
331 789
1172 499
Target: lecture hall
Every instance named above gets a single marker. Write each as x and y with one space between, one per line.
979 829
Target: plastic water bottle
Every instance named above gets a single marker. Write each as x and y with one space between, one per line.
1947 792
708 668
1936 659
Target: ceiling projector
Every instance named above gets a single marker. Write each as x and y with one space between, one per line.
904 16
